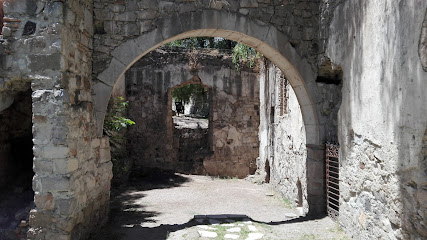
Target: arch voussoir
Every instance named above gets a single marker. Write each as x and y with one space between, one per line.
110 75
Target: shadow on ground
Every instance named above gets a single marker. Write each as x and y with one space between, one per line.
137 232
128 212
126 209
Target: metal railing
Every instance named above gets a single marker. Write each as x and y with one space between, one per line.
332 181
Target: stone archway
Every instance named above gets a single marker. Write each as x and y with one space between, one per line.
263 37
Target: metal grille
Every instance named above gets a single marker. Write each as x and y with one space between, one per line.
332 180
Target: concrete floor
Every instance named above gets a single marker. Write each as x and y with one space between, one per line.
178 206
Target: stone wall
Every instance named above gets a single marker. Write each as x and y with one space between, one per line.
383 117
283 152
192 147
377 46
234 111
49 44
117 21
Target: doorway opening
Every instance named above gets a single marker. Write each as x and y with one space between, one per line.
212 130
16 166
190 105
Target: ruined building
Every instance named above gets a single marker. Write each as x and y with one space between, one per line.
232 135
357 70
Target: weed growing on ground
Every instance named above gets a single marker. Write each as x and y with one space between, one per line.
288 203
308 237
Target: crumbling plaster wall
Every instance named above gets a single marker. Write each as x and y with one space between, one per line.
383 117
49 44
282 138
234 111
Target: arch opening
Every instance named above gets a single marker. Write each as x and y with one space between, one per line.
265 39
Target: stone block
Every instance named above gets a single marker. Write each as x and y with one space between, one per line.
96 142
126 17
128 52
40 218
148 4
43 62
43 167
248 3
170 26
147 14
99 116
101 96
88 22
191 21
105 142
66 206
72 164
149 40
26 7
165 6
104 155
110 75
59 135
54 10
131 29
55 184
44 201
103 14
54 152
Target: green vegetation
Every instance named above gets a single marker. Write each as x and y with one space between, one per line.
113 124
242 54
308 237
203 42
114 120
185 93
221 230
288 203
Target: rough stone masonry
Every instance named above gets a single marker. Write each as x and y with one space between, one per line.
73 52
233 122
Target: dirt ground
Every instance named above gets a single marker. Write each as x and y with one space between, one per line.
187 207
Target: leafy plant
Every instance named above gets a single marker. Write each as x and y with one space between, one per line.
186 92
114 120
243 54
203 42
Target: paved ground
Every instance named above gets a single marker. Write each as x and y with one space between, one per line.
187 207
183 121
